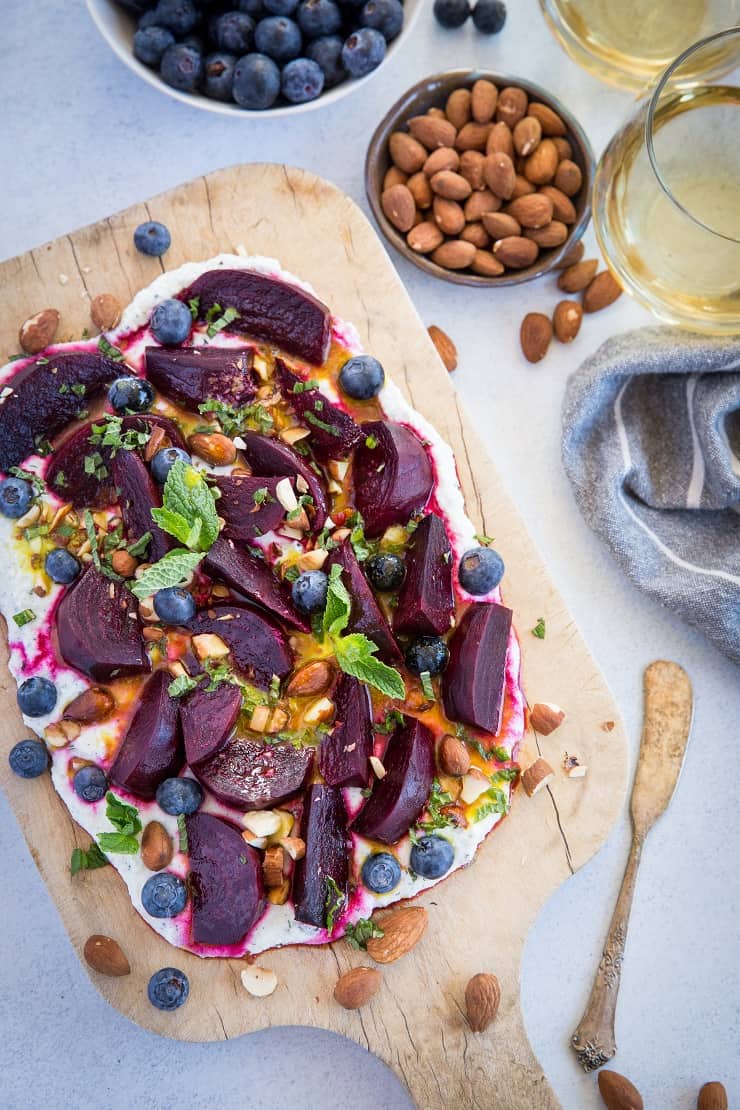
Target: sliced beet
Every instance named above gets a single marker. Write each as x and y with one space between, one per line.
268 308
269 455
327 855
399 797
249 774
393 479
474 681
208 718
43 401
225 881
366 616
333 432
344 752
252 577
247 518
191 375
259 647
152 747
426 602
98 628
137 496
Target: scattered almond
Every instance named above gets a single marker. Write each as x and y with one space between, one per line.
294 846
607 726
602 291
124 563
483 100
105 311
545 717
61 733
453 756
482 998
258 981
617 1091
577 276
311 679
279 895
377 767
573 768
207 645
356 987
425 237
106 956
93 704
214 447
157 848
712 1096
262 822
399 206
406 152
432 131
537 776
319 711
455 254
402 930
516 252
535 335
566 320
458 108
445 347
38 330
272 866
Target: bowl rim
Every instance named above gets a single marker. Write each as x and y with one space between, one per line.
377 152
197 100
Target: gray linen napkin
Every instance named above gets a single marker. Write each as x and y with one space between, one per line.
651 445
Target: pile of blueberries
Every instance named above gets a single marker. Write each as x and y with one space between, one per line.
259 53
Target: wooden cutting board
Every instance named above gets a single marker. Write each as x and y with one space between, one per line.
479 917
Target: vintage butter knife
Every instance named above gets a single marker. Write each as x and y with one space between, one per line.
665 734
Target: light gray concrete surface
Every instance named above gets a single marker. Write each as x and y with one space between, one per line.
82 137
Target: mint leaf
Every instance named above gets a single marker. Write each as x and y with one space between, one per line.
87 859
120 843
355 655
189 507
173 523
215 326
124 817
539 629
24 617
497 803
169 571
435 818
183 684
338 604
335 900
361 932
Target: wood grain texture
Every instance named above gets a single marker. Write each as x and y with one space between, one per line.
479 917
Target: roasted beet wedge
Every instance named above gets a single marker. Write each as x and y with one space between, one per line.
152 748
333 432
191 375
43 400
208 718
325 834
268 308
366 616
344 752
473 684
258 645
98 628
426 603
248 774
393 479
137 496
247 510
225 881
66 476
252 577
269 455
398 799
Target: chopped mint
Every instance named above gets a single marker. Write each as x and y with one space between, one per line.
28 476
361 932
182 827
497 803
311 418
110 433
194 306
539 628
140 546
87 859
223 321
484 541
24 617
234 421
335 900
435 818
371 443
427 687
109 350
78 389
301 387
390 722
262 496
183 684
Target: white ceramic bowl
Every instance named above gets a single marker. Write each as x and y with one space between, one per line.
117 27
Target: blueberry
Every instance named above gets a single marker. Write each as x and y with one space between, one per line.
90 783
171 322
164 895
362 376
386 572
168 988
451 13
363 51
309 591
280 7
278 37
178 16
233 32
15 497
318 17
61 566
256 82
148 19
150 44
173 605
164 460
327 53
302 80
219 76
381 872
481 569
28 758
385 16
489 16
152 238
131 395
176 796
37 696
432 857
427 653
181 67
252 7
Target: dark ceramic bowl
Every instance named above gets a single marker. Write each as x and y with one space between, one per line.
432 92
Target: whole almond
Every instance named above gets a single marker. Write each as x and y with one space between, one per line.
425 237
535 335
214 447
499 174
432 131
542 163
451 186
603 291
564 149
38 330
453 756
532 210
578 276
105 311
471 168
93 704
553 234
106 956
394 176
500 140
522 187
476 234
568 177
500 224
563 208
434 111
617 1091
455 254
482 998
445 158
485 264
311 679
527 134
157 849
511 106
356 987
402 930
124 563
472 136
458 107
483 98
448 215
516 252
480 202
549 120
406 152
573 254
418 186
446 349
566 320
712 1096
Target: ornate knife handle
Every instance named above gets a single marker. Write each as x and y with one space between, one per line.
593 1041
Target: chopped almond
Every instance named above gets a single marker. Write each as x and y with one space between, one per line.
537 776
